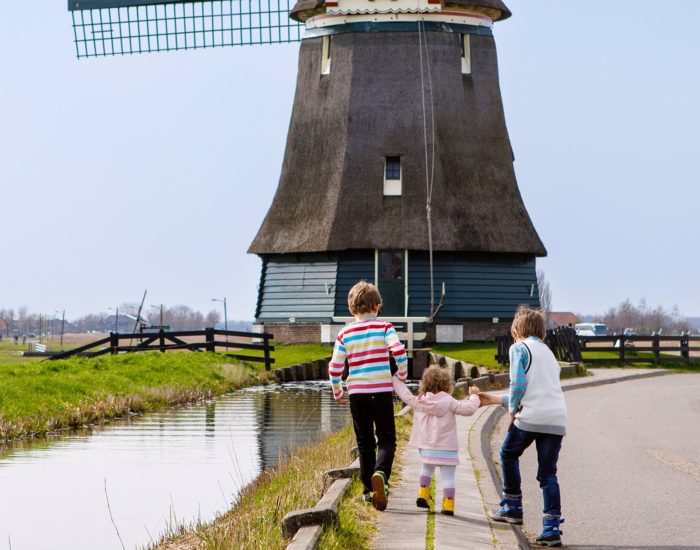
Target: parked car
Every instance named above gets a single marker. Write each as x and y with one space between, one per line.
591 329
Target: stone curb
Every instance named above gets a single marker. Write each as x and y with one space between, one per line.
306 526
624 378
311 370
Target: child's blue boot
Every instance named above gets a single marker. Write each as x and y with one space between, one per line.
551 534
511 510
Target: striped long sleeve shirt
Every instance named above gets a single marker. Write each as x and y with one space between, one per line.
366 345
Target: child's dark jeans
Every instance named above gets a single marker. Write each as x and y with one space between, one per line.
372 411
548 447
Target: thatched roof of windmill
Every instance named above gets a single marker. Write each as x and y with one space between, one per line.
495 9
330 193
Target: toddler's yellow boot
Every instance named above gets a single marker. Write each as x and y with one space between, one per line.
423 500
448 506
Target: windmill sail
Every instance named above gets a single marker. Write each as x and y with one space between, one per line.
115 27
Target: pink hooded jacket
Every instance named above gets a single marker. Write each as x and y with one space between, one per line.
434 424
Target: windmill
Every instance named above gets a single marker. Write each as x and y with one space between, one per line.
398 167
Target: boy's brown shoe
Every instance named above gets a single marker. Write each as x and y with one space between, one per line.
381 491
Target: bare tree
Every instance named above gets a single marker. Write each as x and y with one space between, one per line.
212 318
644 319
545 293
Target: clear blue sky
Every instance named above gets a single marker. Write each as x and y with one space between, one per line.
155 171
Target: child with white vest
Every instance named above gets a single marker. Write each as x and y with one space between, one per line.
538 413
434 430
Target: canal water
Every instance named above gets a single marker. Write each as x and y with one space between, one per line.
155 471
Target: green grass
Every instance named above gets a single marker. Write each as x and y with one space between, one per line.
11 354
286 355
291 354
44 396
477 353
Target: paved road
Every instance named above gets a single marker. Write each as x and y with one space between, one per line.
629 469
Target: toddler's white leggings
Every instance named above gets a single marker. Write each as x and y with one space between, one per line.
447 475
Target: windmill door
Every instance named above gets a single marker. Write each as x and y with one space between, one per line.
391 282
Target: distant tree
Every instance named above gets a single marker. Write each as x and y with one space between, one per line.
10 317
212 318
22 318
545 293
644 319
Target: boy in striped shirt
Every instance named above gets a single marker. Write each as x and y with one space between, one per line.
366 344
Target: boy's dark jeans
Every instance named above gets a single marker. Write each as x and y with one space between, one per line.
548 447
372 411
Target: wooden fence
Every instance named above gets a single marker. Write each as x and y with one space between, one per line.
566 346
562 341
201 340
642 349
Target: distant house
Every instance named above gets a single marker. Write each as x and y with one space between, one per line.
562 319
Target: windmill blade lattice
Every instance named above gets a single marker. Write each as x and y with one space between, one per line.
115 27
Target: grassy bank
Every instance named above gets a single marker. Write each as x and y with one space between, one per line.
254 522
45 396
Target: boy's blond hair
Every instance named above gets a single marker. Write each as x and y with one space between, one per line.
363 298
434 380
528 322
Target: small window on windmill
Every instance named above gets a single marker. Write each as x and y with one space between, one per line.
326 55
466 55
392 176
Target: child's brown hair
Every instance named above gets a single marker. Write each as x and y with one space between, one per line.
528 322
434 380
363 298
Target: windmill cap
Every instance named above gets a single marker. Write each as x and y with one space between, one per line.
495 9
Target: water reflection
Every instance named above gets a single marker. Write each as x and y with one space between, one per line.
158 470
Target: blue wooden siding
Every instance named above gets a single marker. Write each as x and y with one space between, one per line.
302 287
314 287
352 267
477 287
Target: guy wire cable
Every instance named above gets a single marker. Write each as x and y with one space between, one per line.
429 174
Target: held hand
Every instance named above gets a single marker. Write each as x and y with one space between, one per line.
473 390
489 399
342 400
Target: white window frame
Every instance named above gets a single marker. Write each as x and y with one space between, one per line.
466 54
392 188
326 55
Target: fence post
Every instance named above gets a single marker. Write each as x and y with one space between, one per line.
655 344
209 338
266 351
622 350
162 340
685 348
113 342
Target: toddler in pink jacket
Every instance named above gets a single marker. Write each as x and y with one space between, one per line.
434 430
